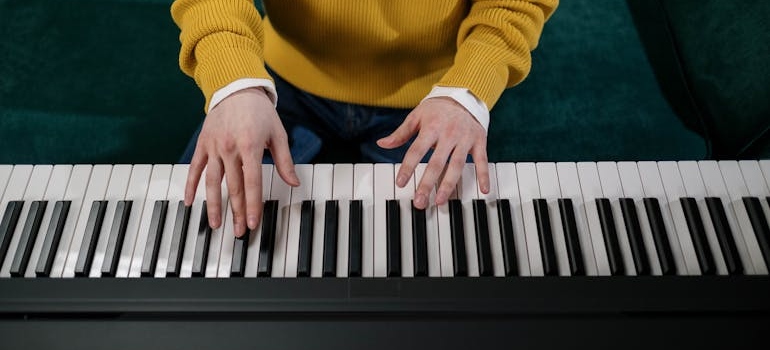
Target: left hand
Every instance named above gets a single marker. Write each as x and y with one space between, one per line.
446 126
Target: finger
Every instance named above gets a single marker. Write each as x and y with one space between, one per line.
252 181
197 164
428 181
401 135
279 147
452 175
234 175
214 173
479 154
413 156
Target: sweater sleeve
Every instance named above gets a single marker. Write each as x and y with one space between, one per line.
494 44
222 41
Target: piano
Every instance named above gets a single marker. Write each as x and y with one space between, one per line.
607 254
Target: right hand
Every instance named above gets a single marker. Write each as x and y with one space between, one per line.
231 143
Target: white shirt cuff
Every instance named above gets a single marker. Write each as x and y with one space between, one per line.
477 108
242 84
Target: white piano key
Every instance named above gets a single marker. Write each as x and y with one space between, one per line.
227 242
591 187
443 226
97 188
736 187
508 188
431 226
384 184
299 194
96 191
157 190
467 191
672 184
752 175
76 190
342 191
5 173
653 188
715 187
175 194
34 190
530 190
405 195
693 184
613 190
632 188
763 164
323 180
217 234
570 188
192 230
116 191
57 185
281 192
137 192
548 180
363 189
255 236
493 220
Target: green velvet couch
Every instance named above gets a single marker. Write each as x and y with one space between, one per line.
97 81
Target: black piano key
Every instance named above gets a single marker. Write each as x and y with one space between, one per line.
506 235
150 257
91 237
202 243
52 238
27 239
458 237
480 222
305 238
269 223
240 248
117 234
660 236
420 241
393 237
635 240
610 234
181 224
545 236
356 232
8 226
698 234
724 235
759 223
331 219
571 237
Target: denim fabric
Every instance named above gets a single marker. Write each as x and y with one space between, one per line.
337 131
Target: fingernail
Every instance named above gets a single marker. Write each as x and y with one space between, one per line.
252 222
401 180
420 201
441 197
214 222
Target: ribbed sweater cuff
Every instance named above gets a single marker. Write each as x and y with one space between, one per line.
226 65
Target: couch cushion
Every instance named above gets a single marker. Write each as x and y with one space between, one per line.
711 58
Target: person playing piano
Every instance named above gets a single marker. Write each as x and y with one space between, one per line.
395 79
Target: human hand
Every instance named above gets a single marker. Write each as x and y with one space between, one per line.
446 126
231 143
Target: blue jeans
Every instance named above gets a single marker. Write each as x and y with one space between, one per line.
326 131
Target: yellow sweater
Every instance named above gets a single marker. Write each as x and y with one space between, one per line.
387 53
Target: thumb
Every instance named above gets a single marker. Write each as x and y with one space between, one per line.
401 135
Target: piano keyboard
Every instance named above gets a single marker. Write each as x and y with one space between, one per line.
350 220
